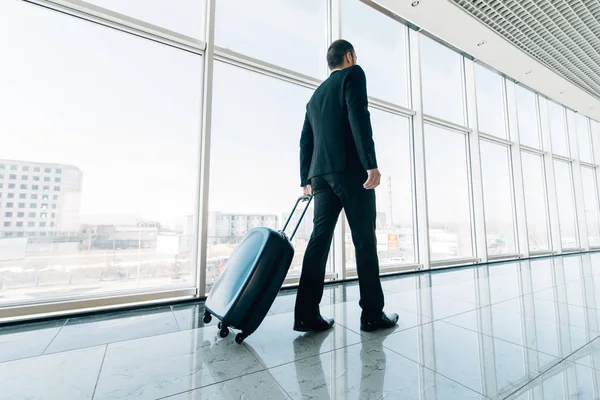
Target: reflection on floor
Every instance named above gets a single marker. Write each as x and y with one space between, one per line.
520 330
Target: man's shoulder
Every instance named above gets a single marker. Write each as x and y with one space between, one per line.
356 72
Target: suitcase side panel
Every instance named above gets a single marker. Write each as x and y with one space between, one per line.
238 272
264 286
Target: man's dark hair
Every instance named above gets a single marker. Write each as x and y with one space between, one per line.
337 51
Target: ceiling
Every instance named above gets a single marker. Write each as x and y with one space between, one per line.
551 46
564 35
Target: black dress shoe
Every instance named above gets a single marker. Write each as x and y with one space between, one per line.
318 324
382 322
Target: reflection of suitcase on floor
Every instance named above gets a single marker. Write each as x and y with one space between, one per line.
252 277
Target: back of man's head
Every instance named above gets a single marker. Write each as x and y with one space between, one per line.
336 54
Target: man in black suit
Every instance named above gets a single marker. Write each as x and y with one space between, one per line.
338 166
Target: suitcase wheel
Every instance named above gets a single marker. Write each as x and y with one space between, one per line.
224 332
239 338
207 317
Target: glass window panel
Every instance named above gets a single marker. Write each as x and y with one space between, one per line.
527 117
288 33
590 199
490 102
584 141
380 44
394 196
558 129
535 201
442 81
182 16
128 140
259 145
566 204
498 199
448 194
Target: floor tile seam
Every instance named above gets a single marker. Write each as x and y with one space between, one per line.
217 382
436 372
554 365
476 307
516 344
534 379
220 383
54 354
99 372
54 338
250 350
280 385
569 304
312 355
43 355
175 318
119 341
520 315
453 315
578 350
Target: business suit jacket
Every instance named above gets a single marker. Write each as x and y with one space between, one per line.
337 134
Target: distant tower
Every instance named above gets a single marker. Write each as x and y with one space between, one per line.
390 216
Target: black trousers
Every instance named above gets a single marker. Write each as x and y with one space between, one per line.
332 193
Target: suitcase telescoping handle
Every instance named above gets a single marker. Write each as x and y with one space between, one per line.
307 199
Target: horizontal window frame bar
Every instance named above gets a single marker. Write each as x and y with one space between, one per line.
252 64
562 158
533 151
431 120
23 312
572 250
392 108
588 165
123 23
495 139
390 270
542 253
454 262
503 257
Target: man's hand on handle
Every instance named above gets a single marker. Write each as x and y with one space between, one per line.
307 191
373 180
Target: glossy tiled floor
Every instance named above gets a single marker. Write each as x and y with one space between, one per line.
522 330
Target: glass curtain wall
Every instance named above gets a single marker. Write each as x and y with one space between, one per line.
104 185
447 168
536 205
99 154
496 163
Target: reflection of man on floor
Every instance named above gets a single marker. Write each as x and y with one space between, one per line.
309 372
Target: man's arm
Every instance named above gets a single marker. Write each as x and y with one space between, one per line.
306 151
360 119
